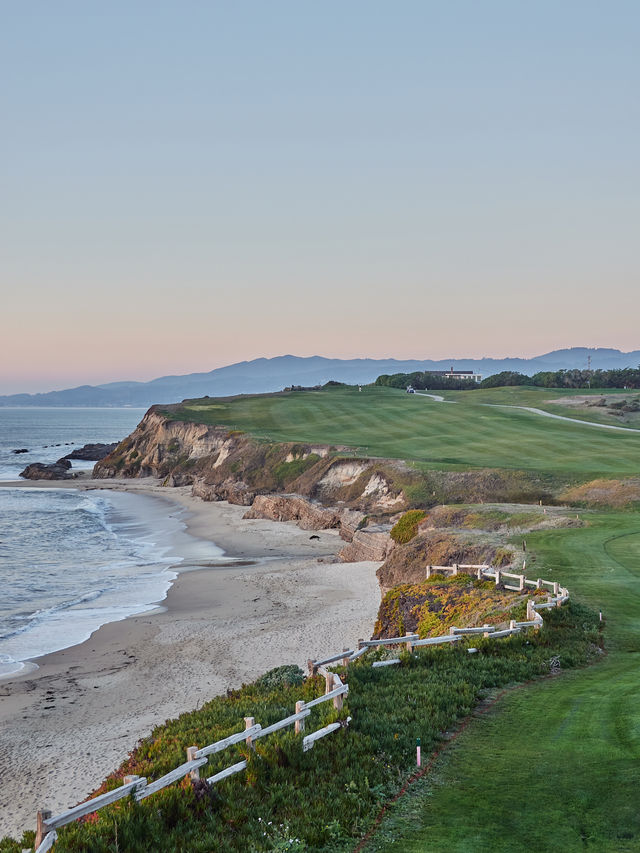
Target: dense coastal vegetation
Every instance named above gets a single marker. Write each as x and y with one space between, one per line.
328 798
628 377
552 763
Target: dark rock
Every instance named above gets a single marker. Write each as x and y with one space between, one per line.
92 452
55 471
21 450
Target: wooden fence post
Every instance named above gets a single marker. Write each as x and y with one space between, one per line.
311 666
409 644
338 701
191 756
41 827
299 723
498 576
345 659
512 624
455 569
428 572
360 642
328 683
538 584
248 723
521 582
556 588
479 574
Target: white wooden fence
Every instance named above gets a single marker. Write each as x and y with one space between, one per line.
335 691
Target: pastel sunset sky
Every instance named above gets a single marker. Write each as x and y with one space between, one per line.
188 184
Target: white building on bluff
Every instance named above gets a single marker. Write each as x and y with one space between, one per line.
458 374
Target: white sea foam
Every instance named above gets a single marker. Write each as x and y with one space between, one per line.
78 560
70 560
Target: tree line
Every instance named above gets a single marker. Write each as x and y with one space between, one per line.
628 377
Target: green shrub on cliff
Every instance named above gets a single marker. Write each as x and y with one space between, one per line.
287 472
406 528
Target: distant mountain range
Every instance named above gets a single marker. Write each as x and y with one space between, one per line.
273 374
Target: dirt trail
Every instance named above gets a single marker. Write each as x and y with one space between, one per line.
440 399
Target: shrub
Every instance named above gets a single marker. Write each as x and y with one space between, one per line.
503 557
289 675
406 528
287 472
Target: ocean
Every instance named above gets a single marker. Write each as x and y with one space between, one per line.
72 560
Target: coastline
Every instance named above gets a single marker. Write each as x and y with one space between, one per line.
68 724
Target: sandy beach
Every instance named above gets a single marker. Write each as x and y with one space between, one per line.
66 725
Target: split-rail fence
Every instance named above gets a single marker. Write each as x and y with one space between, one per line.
335 691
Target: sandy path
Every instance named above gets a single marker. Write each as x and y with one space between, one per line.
542 412
561 417
64 727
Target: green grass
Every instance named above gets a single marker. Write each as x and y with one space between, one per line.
555 765
388 423
545 399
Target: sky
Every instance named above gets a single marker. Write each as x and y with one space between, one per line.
185 185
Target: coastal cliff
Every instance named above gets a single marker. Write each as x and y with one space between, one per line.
312 485
223 464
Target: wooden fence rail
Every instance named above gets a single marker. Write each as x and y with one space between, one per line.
47 842
335 690
309 740
219 745
228 771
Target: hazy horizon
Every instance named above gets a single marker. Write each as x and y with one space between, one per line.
191 185
154 375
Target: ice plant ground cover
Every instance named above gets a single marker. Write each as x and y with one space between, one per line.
329 797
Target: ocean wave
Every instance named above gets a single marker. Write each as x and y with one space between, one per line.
78 561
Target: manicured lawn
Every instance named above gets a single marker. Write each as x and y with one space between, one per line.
389 423
545 399
553 765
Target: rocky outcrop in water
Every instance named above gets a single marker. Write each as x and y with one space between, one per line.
59 470
92 452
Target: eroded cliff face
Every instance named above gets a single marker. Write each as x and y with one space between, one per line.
407 563
159 446
308 484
